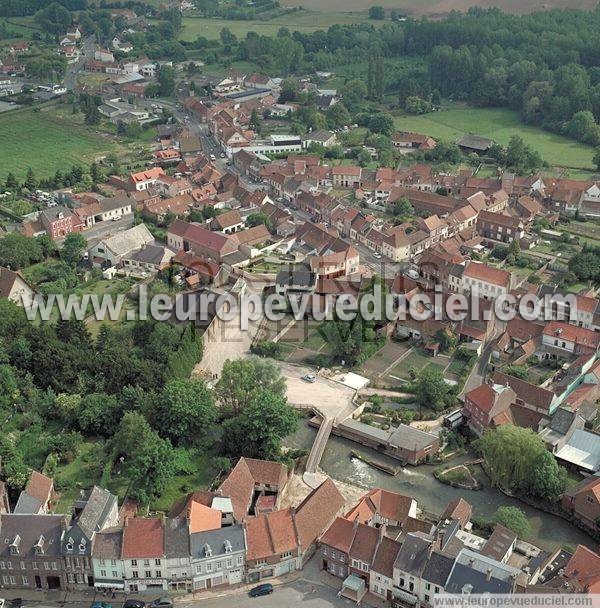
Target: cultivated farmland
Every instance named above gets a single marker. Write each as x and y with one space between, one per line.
438 7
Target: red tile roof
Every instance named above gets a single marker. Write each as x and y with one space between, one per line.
584 566
488 274
572 333
143 538
39 486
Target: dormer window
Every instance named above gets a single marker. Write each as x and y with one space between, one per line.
14 546
39 545
82 547
207 551
227 547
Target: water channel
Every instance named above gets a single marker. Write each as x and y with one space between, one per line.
548 531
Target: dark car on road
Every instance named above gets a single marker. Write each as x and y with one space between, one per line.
134 604
264 589
161 602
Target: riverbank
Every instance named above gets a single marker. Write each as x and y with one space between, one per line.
432 496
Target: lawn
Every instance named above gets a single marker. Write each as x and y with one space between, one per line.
500 124
416 360
46 142
301 21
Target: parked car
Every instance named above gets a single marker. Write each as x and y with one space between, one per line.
309 378
134 604
16 603
161 602
100 605
264 589
2 602
377 255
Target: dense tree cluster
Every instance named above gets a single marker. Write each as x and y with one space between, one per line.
517 460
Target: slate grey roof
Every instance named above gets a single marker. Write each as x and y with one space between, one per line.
150 254
470 572
438 568
96 510
413 555
27 504
411 438
31 528
562 420
110 204
299 276
177 538
216 539
475 142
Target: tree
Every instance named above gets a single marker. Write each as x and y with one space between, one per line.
11 182
148 459
596 159
185 411
514 251
99 414
381 123
513 460
73 247
166 81
257 218
30 180
403 208
257 432
547 479
92 115
376 12
243 380
364 158
18 251
289 90
514 519
354 94
431 389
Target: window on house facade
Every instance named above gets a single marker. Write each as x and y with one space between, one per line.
134 562
157 562
148 574
102 572
134 574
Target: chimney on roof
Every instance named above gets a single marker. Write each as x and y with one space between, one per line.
430 550
488 574
355 523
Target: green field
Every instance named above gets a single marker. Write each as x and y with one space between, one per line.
46 142
500 124
439 7
302 21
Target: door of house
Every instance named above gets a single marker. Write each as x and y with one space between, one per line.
38 582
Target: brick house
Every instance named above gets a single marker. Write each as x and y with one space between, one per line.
499 227
484 403
582 501
60 221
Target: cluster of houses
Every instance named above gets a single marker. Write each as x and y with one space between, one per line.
240 533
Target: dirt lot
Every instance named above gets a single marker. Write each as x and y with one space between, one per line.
438 7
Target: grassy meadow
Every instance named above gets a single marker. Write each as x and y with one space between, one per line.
302 21
500 124
47 140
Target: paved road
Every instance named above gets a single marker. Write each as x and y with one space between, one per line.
295 594
73 69
477 376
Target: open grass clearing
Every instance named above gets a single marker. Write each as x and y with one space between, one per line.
499 124
50 138
298 21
